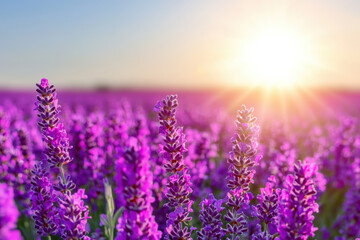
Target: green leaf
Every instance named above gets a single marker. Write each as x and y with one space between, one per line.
118 214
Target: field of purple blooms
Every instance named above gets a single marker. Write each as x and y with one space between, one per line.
111 166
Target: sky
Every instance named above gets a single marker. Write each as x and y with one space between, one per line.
170 44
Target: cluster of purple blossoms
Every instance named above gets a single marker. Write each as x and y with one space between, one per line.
8 214
243 155
297 203
4 143
242 160
76 136
201 149
237 202
134 181
56 209
16 158
159 173
178 187
116 134
267 208
345 150
91 156
43 200
282 162
349 222
74 215
146 167
53 132
210 216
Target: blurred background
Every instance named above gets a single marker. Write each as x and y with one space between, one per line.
180 44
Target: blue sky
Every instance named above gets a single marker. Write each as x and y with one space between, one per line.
163 43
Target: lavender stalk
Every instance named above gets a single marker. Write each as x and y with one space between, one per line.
178 187
242 160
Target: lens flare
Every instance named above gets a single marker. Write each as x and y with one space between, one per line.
274 58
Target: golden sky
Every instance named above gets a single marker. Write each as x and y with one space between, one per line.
180 44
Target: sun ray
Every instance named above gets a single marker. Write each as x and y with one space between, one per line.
236 103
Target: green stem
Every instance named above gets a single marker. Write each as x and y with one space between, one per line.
111 233
49 237
62 174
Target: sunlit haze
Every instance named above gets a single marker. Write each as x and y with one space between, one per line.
275 58
182 44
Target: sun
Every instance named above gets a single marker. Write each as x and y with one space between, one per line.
274 58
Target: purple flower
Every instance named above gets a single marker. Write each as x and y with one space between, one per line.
5 143
8 214
267 209
42 196
178 187
90 155
19 162
74 214
116 134
237 202
242 160
243 155
201 150
297 203
282 162
349 221
53 132
134 181
344 151
262 236
210 216
67 218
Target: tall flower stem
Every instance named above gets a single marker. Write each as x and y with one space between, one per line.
62 174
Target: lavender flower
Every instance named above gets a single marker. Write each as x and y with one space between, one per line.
178 187
210 216
262 236
267 209
116 134
159 173
68 218
91 156
297 203
242 160
237 202
349 221
16 159
53 132
76 135
74 214
134 181
8 214
345 150
5 143
243 155
19 166
282 162
43 198
201 150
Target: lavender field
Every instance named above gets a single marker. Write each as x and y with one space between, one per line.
197 165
